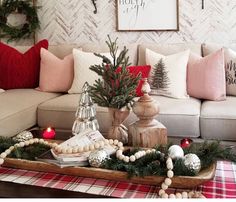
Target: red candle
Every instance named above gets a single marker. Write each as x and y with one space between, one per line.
186 142
49 133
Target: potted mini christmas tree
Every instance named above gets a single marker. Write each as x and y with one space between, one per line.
116 89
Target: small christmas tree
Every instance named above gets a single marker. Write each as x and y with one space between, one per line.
117 88
85 114
160 79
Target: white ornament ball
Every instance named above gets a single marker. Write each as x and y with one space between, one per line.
192 162
175 152
97 157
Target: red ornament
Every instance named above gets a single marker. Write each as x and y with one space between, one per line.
186 142
49 133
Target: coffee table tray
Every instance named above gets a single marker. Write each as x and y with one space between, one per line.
177 182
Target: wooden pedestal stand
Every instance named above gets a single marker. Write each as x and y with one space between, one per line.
146 132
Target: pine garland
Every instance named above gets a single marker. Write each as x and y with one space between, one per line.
23 7
155 163
28 153
117 88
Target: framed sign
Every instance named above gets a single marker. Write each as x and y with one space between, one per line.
147 15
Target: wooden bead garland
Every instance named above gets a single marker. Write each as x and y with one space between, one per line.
119 154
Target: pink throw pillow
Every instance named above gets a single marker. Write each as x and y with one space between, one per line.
206 76
56 75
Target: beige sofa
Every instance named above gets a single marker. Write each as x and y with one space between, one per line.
21 109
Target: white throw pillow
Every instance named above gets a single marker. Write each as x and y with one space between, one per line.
1 90
168 73
82 73
230 71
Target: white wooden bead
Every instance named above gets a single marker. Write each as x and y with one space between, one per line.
36 140
3 155
170 174
91 147
74 150
59 150
106 141
172 196
164 186
126 159
111 141
1 161
8 151
168 181
12 148
119 152
69 151
178 195
86 148
97 145
16 145
27 143
190 194
64 150
122 148
169 160
22 144
132 158
115 142
161 191
184 194
121 157
80 149
164 195
120 144
143 153
101 143
41 141
148 151
169 166
137 155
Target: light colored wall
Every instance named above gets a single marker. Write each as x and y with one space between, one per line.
73 21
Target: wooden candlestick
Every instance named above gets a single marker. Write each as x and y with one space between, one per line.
147 131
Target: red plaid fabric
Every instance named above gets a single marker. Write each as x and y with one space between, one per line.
222 186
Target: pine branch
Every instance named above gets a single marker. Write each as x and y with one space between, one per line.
117 88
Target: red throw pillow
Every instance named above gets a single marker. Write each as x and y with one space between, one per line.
19 70
144 70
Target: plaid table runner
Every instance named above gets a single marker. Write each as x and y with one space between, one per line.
222 186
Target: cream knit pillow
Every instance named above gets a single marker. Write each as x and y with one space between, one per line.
168 73
82 73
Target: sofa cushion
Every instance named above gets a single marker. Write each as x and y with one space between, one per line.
218 119
166 49
168 74
179 116
56 75
18 109
60 51
60 113
206 76
20 70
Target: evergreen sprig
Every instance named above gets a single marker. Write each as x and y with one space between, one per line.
155 164
117 88
29 153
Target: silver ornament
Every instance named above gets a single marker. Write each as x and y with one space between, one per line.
175 151
192 162
23 136
97 157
